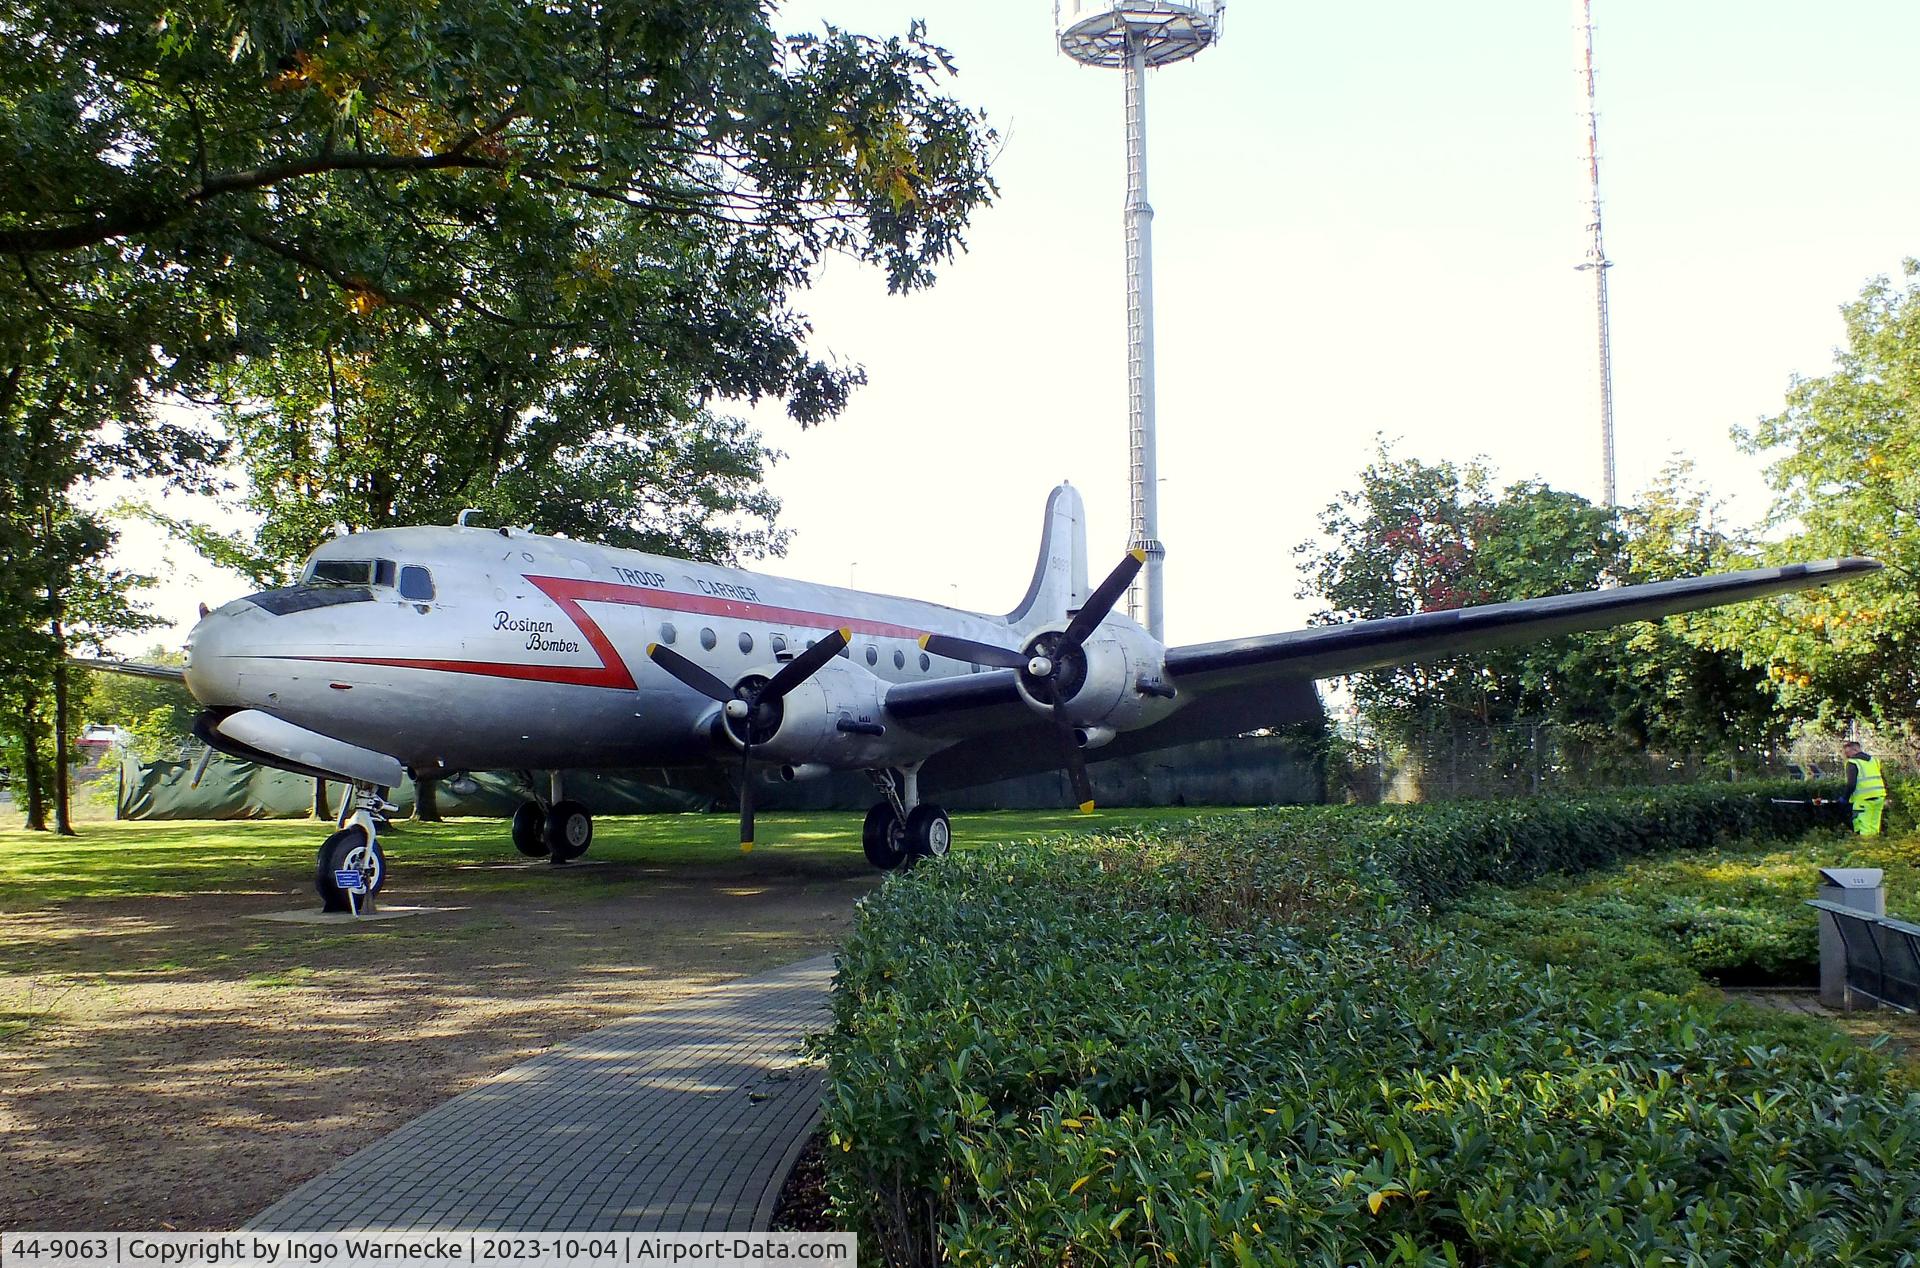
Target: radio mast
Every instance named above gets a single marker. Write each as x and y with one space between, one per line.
1136 34
1596 260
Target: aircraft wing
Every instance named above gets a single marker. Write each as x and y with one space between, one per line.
1328 651
133 669
1236 685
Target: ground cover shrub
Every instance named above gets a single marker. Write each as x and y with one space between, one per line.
1242 1041
1732 916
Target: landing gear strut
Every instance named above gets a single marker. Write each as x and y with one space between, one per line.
354 847
903 829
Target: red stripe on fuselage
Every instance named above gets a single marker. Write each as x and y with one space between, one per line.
568 593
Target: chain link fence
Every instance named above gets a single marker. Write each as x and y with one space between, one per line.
1541 759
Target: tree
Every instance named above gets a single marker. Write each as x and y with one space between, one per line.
1417 537
1845 471
482 252
157 714
72 407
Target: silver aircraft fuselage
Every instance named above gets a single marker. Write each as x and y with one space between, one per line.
530 651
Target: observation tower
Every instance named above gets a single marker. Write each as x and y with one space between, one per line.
1133 35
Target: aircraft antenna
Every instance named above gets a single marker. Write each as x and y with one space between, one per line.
1134 35
1596 261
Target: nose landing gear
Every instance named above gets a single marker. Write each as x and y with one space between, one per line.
903 829
353 847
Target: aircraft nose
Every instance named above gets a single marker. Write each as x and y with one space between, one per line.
214 653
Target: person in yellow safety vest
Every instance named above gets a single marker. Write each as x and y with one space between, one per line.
1866 789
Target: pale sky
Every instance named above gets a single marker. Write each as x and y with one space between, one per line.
1367 218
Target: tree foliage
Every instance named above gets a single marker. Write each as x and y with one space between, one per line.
1845 469
1421 537
480 253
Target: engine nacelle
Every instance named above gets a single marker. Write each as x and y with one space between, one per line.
1100 684
834 718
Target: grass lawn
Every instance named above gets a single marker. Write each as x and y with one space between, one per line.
167 1057
150 858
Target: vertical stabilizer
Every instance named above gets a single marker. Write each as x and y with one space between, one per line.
1059 582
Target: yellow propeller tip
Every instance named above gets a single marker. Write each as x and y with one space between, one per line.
924 640
846 631
1086 807
650 647
1139 556
746 847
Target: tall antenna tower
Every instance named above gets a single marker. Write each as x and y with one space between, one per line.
1136 34
1596 260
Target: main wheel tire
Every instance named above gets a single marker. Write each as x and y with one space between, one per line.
569 831
529 830
349 848
929 832
884 838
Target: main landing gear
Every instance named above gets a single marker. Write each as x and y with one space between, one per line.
902 829
353 847
558 830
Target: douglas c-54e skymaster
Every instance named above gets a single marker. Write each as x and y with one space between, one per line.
435 650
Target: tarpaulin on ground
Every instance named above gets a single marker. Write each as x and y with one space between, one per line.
233 789
1250 771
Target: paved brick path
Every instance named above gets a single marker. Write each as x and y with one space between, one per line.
684 1118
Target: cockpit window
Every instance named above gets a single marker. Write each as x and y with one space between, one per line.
344 572
416 583
371 572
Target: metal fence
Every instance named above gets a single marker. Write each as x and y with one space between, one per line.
1540 759
1883 956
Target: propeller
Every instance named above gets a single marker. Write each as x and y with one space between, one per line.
751 706
1050 658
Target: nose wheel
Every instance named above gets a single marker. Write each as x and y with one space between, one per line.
349 850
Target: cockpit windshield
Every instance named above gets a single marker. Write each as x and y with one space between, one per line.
413 582
350 572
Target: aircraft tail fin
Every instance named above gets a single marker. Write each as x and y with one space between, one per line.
1059 582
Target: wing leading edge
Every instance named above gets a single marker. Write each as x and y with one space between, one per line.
133 669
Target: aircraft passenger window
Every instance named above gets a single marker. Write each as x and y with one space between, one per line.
708 639
779 644
873 654
344 572
668 633
925 663
383 572
416 583
746 643
899 659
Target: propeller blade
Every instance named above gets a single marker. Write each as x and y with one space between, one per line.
805 665
1070 756
1101 601
689 673
973 653
746 799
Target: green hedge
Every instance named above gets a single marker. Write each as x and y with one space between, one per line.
1236 1041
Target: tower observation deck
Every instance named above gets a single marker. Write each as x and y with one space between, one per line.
1133 35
